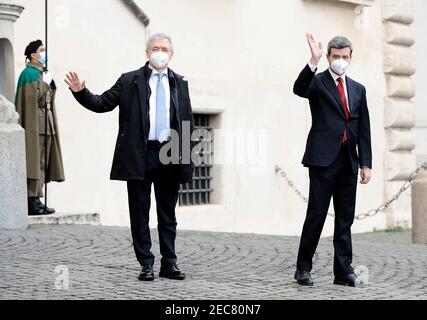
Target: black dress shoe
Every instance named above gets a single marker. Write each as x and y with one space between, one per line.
350 280
303 278
147 273
172 272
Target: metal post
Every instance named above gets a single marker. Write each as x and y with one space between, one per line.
45 114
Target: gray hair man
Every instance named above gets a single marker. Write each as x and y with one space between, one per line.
154 105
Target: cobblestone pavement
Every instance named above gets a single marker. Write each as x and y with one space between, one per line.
101 265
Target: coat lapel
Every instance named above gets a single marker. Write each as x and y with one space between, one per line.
329 82
174 91
143 90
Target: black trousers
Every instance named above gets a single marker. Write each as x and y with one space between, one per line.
166 187
337 181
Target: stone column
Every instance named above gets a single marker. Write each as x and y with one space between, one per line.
13 181
13 186
9 13
399 66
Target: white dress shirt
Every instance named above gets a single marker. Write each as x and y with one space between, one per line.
153 107
313 68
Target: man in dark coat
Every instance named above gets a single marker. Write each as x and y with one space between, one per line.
339 143
153 147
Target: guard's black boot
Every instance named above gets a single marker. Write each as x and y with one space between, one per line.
34 208
47 209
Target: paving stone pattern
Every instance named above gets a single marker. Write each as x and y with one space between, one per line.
101 264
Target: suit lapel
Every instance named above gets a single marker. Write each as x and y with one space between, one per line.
351 94
329 83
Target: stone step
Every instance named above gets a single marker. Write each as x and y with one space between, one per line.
93 219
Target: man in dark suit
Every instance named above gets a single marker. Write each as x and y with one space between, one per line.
338 144
155 116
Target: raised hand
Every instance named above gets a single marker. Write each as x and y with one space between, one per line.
74 82
316 49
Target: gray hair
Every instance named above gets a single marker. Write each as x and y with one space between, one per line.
340 43
159 36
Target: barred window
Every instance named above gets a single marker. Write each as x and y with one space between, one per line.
199 191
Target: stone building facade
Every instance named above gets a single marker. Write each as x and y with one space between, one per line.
241 58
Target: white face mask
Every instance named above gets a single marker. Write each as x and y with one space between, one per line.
159 59
340 66
43 57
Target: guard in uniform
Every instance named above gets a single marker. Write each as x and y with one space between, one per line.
35 100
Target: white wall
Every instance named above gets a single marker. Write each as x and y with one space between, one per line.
244 58
241 57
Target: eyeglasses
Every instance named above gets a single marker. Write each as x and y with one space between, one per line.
157 49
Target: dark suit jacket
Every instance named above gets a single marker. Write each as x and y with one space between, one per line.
132 93
328 120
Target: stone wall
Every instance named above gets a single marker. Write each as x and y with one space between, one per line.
399 66
13 186
13 183
238 90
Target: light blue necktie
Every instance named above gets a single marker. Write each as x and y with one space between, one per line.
161 109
